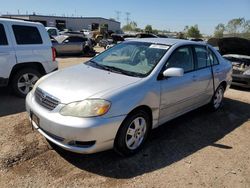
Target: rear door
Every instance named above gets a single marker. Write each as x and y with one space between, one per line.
203 75
7 53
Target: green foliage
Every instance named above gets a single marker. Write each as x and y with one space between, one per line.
148 29
132 26
193 32
219 30
237 27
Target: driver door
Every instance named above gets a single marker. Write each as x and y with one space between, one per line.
178 93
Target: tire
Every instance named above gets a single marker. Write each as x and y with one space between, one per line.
24 80
217 99
132 133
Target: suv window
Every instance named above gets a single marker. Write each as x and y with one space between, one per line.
181 58
27 35
201 54
3 38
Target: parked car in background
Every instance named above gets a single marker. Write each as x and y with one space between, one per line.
26 54
237 51
64 44
241 69
115 99
52 31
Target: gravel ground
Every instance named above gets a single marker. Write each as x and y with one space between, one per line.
199 149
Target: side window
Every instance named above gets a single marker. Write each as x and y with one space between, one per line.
181 58
52 32
213 58
27 35
201 54
3 38
75 39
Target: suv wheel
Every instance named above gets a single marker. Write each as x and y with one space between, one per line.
133 133
24 80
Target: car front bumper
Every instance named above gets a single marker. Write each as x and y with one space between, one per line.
241 80
94 134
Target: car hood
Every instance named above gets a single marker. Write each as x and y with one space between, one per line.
82 81
240 63
231 45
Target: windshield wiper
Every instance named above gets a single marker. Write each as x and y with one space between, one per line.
122 71
115 69
97 65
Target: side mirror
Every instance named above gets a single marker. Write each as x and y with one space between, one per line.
173 72
66 41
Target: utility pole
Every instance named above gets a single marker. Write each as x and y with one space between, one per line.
118 13
127 17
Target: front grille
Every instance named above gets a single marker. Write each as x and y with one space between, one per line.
46 100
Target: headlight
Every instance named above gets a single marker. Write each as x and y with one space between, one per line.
86 108
247 72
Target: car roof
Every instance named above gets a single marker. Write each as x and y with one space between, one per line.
19 21
165 41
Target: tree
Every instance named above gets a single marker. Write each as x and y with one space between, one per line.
246 26
132 26
219 30
234 26
193 32
148 29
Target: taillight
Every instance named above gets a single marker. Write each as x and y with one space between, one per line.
53 54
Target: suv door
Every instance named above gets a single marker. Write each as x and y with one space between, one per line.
7 55
178 93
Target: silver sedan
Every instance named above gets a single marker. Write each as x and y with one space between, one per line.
64 44
119 96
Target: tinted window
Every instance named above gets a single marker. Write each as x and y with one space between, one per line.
75 39
3 39
181 58
213 58
27 35
201 54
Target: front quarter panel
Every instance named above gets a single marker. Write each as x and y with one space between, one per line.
126 99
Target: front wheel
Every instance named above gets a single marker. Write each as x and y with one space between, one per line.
217 98
24 80
133 133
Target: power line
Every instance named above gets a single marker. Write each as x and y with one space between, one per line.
128 17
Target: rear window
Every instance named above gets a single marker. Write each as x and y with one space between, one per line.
76 39
27 35
3 39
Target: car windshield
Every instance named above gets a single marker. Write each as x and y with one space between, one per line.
130 58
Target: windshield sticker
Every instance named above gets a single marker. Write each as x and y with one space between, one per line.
158 46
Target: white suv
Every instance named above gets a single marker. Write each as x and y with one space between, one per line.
26 54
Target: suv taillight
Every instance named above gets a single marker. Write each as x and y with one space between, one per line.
53 54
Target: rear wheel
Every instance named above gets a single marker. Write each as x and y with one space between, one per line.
24 80
133 133
217 98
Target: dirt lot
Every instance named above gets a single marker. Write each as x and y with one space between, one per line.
199 149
